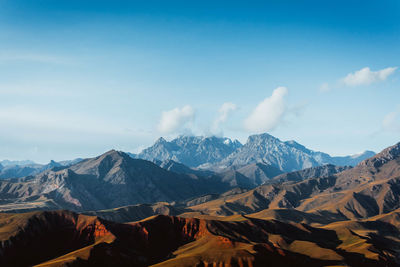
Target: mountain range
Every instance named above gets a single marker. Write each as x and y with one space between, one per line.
369 189
213 153
242 210
191 151
117 179
111 180
15 162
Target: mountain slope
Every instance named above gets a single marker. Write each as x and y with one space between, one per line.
259 173
248 176
314 172
108 181
42 236
138 212
64 238
269 150
174 166
323 158
287 156
369 189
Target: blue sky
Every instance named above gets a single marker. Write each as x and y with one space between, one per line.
78 78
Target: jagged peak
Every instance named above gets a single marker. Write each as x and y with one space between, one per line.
197 138
53 163
115 154
161 140
110 151
183 139
391 152
261 137
386 155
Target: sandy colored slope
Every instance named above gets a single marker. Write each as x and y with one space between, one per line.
173 241
137 212
42 236
369 189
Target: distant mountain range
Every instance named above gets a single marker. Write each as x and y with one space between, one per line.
16 162
214 154
18 169
217 154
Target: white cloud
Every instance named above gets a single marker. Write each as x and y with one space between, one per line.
175 119
365 76
223 113
391 122
269 113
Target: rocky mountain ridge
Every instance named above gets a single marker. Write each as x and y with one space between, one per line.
220 154
110 180
191 151
371 188
214 154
